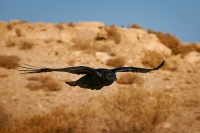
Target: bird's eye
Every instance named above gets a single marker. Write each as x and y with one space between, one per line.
109 75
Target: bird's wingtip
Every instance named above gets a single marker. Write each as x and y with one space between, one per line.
159 66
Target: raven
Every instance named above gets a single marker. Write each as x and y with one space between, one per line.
94 79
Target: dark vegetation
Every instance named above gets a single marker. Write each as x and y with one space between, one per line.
71 24
143 114
9 62
92 46
89 47
136 26
22 45
117 61
18 32
60 26
174 44
171 41
43 83
130 78
113 34
4 119
3 75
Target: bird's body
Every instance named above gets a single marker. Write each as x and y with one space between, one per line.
88 81
93 78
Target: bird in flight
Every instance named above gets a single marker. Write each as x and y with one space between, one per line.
93 79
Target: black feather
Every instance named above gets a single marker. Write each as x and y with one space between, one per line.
93 78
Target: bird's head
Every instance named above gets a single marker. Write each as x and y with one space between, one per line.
111 76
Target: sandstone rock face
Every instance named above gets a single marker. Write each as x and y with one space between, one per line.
103 57
173 89
90 24
193 57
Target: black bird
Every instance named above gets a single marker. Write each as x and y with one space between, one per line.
93 78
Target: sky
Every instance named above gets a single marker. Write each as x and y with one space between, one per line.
180 18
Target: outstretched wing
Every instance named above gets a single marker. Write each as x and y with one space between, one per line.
136 69
75 70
